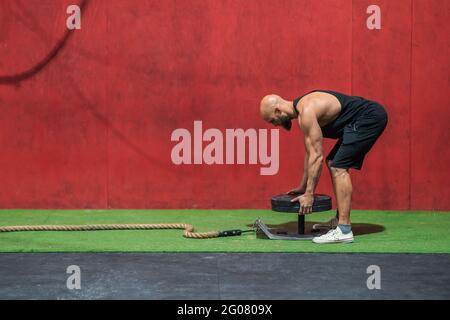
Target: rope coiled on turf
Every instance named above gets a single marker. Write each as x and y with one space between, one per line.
188 230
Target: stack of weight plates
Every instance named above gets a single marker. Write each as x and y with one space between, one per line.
282 203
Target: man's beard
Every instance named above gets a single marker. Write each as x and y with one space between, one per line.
286 122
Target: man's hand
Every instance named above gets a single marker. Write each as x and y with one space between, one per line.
306 202
298 190
313 146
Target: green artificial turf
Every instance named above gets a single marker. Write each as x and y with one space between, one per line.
375 231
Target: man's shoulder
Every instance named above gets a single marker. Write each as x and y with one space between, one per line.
311 98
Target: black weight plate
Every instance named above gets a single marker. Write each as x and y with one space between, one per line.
282 203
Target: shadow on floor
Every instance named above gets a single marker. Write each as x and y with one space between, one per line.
357 228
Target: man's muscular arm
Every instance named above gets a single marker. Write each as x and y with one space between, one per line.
313 146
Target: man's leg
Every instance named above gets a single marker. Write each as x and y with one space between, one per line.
343 191
333 183
342 184
333 222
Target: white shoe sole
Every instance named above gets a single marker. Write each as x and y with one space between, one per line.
333 242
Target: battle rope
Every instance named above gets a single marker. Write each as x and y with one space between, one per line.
188 229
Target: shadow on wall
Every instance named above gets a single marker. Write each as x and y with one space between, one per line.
15 79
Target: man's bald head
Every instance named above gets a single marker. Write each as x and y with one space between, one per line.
275 110
268 105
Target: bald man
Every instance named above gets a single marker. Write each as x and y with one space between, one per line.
355 122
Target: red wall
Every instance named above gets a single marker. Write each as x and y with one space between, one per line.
90 126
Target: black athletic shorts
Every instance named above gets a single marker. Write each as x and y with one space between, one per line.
358 138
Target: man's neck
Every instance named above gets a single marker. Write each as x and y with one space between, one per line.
290 110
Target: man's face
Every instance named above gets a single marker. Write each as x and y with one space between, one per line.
281 119
286 122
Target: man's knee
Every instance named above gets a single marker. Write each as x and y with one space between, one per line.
335 172
338 172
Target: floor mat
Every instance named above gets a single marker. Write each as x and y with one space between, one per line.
375 231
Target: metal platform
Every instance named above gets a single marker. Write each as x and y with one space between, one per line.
263 230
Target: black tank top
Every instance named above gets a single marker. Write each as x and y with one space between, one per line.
351 108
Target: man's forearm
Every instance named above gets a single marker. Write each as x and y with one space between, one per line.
314 171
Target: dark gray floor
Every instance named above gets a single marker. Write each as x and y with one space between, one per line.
224 276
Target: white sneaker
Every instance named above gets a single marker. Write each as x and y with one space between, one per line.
334 236
331 224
